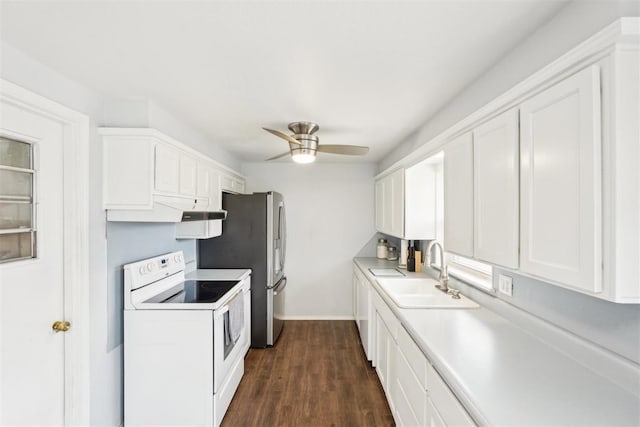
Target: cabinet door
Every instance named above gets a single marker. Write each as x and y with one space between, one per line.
496 190
458 195
363 312
382 351
188 175
379 211
215 191
409 396
167 169
355 304
420 201
203 183
561 183
433 417
396 203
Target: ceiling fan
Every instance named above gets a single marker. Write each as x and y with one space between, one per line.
304 145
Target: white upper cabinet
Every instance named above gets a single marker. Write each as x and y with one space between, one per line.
496 189
390 204
406 201
150 177
232 184
421 198
561 183
167 169
458 195
188 175
380 204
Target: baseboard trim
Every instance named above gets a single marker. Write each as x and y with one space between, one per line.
317 317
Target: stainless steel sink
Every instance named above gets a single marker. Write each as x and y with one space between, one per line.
421 293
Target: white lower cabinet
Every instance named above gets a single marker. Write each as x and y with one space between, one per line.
416 393
386 335
363 311
433 418
445 402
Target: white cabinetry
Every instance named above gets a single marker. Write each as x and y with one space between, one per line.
232 184
390 204
416 394
561 183
458 195
445 404
363 311
496 189
148 176
410 388
386 334
167 169
406 201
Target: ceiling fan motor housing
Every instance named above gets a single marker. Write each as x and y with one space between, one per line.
306 128
308 144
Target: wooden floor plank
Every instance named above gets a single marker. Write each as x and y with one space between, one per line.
316 375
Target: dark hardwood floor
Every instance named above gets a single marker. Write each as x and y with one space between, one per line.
316 375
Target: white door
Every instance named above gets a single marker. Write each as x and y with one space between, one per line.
32 369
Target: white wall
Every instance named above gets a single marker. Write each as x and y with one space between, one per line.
105 295
329 211
572 25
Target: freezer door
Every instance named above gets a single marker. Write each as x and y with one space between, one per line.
275 310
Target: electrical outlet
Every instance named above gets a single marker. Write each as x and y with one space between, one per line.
505 285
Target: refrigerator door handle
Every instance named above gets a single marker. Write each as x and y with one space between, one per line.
280 286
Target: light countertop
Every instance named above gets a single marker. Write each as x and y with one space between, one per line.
218 274
506 376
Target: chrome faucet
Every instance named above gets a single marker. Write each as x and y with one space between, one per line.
443 278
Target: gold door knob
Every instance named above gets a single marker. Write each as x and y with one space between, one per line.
60 326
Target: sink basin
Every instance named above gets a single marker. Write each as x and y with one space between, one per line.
421 293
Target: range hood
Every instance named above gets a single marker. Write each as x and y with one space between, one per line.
167 209
203 215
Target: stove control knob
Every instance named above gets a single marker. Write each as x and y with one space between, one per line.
150 267
142 270
178 258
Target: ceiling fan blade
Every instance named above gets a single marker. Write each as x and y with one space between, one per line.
351 150
283 136
278 156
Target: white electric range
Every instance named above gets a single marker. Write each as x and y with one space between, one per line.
185 338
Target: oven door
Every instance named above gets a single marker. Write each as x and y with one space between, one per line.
228 349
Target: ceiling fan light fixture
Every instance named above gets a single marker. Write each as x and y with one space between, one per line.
303 156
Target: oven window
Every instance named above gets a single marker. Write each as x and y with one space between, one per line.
17 207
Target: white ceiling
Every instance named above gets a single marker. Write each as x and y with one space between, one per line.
369 73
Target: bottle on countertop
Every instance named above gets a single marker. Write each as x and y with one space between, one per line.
411 258
392 253
381 249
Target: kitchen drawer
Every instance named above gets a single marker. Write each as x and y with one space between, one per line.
415 357
445 402
387 316
410 395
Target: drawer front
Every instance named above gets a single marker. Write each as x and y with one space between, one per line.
415 358
410 396
445 402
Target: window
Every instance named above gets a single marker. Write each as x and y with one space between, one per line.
17 207
470 271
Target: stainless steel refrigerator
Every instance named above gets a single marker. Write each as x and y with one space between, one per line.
254 236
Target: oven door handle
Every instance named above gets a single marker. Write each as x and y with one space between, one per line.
280 287
222 310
